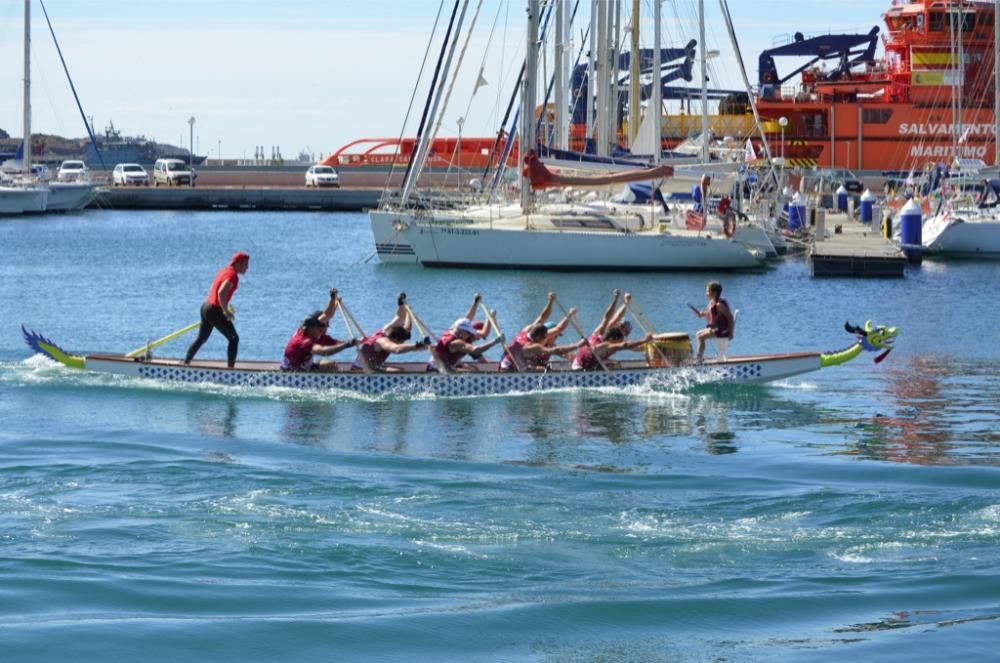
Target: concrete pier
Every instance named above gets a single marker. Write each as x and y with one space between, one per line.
851 248
238 198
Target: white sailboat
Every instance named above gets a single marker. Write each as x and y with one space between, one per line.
557 233
964 228
45 196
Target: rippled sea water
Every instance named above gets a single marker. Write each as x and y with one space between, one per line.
852 512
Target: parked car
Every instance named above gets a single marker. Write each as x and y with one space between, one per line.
172 172
72 171
129 173
322 176
828 180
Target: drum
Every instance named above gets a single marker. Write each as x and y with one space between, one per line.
674 347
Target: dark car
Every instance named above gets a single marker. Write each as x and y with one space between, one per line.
830 179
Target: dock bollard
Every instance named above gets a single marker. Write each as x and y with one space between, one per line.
887 224
820 225
867 203
850 209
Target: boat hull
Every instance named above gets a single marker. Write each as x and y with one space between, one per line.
485 381
958 237
69 196
409 238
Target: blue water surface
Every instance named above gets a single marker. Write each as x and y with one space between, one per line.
852 512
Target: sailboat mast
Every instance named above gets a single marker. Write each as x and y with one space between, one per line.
704 82
656 87
561 44
634 83
528 98
27 87
601 137
591 74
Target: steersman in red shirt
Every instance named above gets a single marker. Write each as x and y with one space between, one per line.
215 313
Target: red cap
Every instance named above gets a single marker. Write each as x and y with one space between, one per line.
239 257
478 324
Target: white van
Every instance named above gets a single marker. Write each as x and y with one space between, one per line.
72 171
172 172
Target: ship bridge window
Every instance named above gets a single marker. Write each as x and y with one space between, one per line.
815 125
936 21
876 115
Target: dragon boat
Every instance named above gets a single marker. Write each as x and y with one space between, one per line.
483 378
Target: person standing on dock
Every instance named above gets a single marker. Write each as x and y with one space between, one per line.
718 315
215 311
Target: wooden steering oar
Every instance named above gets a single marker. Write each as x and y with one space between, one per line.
499 333
169 337
579 330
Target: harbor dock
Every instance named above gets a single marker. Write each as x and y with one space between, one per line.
843 246
238 198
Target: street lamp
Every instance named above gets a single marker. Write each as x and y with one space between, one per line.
783 122
191 145
460 121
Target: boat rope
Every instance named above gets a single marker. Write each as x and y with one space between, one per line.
76 97
409 108
724 6
427 104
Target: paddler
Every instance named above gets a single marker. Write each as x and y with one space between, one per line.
457 342
215 311
718 316
311 339
390 340
612 318
595 357
535 344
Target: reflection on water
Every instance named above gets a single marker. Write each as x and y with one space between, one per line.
310 423
945 414
933 410
214 417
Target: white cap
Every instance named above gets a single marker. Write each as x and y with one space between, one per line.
464 325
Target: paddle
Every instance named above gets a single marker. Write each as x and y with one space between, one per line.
169 337
646 328
348 321
579 330
499 333
422 328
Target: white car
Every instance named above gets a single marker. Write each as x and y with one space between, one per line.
129 173
322 176
72 171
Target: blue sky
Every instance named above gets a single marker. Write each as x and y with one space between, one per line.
311 74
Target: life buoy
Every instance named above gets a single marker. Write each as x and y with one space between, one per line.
729 223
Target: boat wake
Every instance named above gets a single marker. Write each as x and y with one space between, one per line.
40 369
